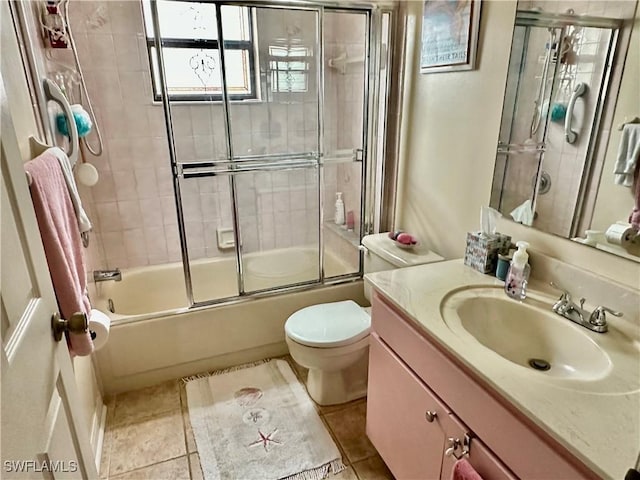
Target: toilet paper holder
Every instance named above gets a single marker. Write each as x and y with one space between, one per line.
78 323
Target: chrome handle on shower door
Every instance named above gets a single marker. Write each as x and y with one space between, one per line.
579 90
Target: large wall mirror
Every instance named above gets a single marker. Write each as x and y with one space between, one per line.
572 91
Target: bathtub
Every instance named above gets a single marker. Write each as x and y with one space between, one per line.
155 336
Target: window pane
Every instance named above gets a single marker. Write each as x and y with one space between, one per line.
191 20
196 72
289 68
235 23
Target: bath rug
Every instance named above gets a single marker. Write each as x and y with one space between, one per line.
257 422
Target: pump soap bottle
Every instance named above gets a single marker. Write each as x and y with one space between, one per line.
339 216
515 285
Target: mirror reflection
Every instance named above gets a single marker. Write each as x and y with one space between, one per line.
572 82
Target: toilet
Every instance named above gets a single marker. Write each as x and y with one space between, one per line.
332 339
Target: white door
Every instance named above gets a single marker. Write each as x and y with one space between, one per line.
41 437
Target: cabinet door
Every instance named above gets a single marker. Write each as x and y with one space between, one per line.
397 424
480 457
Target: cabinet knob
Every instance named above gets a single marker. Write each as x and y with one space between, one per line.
430 416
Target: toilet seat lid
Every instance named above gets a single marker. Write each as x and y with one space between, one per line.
328 324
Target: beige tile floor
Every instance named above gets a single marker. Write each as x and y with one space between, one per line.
148 436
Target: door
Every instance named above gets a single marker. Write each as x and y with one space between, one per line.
267 123
40 435
405 421
479 456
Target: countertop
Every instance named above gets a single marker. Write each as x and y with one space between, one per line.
601 429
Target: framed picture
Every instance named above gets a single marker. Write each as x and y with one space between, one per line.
449 35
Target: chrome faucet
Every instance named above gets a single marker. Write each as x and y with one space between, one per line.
104 275
597 320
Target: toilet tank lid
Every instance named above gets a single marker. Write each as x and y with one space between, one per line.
328 324
384 247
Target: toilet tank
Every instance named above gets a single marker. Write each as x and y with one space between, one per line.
381 253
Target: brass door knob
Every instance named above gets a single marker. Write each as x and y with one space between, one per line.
78 323
430 416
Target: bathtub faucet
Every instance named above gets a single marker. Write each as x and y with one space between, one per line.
104 275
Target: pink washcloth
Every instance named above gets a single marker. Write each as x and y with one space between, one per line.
463 470
62 244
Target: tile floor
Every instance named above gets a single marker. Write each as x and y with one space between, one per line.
148 436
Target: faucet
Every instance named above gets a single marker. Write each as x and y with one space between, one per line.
597 320
104 275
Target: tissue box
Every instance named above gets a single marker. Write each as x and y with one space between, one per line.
483 249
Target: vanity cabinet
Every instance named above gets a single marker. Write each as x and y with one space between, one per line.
411 428
411 378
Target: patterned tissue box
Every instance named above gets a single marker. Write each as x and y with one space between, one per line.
483 249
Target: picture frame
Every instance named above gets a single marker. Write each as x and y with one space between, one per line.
449 39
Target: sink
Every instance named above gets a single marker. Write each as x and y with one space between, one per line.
526 333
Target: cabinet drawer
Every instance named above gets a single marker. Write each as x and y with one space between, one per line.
529 452
397 403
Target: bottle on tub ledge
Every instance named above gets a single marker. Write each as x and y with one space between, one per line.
339 215
515 286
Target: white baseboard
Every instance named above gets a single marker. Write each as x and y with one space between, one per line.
97 432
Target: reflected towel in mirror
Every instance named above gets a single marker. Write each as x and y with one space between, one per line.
628 153
523 213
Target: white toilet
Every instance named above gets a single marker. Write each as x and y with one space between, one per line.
332 339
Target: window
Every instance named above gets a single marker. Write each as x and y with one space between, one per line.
289 66
190 49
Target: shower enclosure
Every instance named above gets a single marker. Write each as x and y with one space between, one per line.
270 110
557 83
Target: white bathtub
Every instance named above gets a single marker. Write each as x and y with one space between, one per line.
156 337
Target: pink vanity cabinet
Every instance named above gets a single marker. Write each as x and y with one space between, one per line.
420 398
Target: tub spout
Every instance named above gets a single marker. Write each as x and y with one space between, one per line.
104 275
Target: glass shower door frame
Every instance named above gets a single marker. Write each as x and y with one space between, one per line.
233 165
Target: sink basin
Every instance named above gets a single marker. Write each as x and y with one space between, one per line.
526 333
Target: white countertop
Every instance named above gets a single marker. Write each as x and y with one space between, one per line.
602 429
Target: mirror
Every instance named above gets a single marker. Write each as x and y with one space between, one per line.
572 83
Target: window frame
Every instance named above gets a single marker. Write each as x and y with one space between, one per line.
206 44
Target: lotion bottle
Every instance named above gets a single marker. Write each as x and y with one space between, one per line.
339 216
515 286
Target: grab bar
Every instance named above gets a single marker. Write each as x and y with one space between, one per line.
579 90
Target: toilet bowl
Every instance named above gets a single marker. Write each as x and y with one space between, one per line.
332 339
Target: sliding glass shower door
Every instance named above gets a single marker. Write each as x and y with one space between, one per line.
267 122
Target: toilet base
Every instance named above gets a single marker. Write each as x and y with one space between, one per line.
340 386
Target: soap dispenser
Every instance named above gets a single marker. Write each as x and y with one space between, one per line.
339 216
515 285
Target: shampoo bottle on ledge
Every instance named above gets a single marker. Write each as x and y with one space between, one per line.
339 216
515 285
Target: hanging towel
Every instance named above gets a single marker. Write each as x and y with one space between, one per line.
59 231
463 470
84 224
634 218
628 153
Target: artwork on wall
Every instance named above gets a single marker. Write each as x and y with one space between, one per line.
449 35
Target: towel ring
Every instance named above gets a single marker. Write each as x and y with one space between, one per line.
453 444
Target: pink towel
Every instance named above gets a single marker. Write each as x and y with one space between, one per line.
463 470
62 244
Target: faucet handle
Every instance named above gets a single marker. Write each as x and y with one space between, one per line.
566 296
599 315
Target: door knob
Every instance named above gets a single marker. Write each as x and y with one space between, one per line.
430 416
78 323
